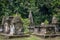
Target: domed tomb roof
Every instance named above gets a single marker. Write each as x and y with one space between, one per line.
17 19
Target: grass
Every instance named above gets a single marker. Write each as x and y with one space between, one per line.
31 38
23 38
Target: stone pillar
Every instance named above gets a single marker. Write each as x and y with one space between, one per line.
12 29
6 26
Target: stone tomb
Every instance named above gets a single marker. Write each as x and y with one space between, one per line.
48 30
56 23
6 24
18 25
45 30
12 25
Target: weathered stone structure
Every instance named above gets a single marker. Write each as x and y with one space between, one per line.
31 25
6 24
48 30
12 25
56 23
17 24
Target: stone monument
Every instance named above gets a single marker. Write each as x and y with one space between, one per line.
6 22
31 26
56 23
54 20
17 23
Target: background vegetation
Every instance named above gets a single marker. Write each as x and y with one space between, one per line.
41 9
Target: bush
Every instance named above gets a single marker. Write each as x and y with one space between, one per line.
26 23
46 22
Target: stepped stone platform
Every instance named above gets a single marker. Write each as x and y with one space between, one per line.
13 36
46 35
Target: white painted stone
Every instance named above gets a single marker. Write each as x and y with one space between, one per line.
12 29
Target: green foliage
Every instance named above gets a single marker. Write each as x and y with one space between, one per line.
46 22
55 15
58 17
26 23
42 9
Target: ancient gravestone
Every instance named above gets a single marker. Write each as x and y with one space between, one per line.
43 29
31 25
12 25
6 24
17 24
37 29
46 29
54 20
